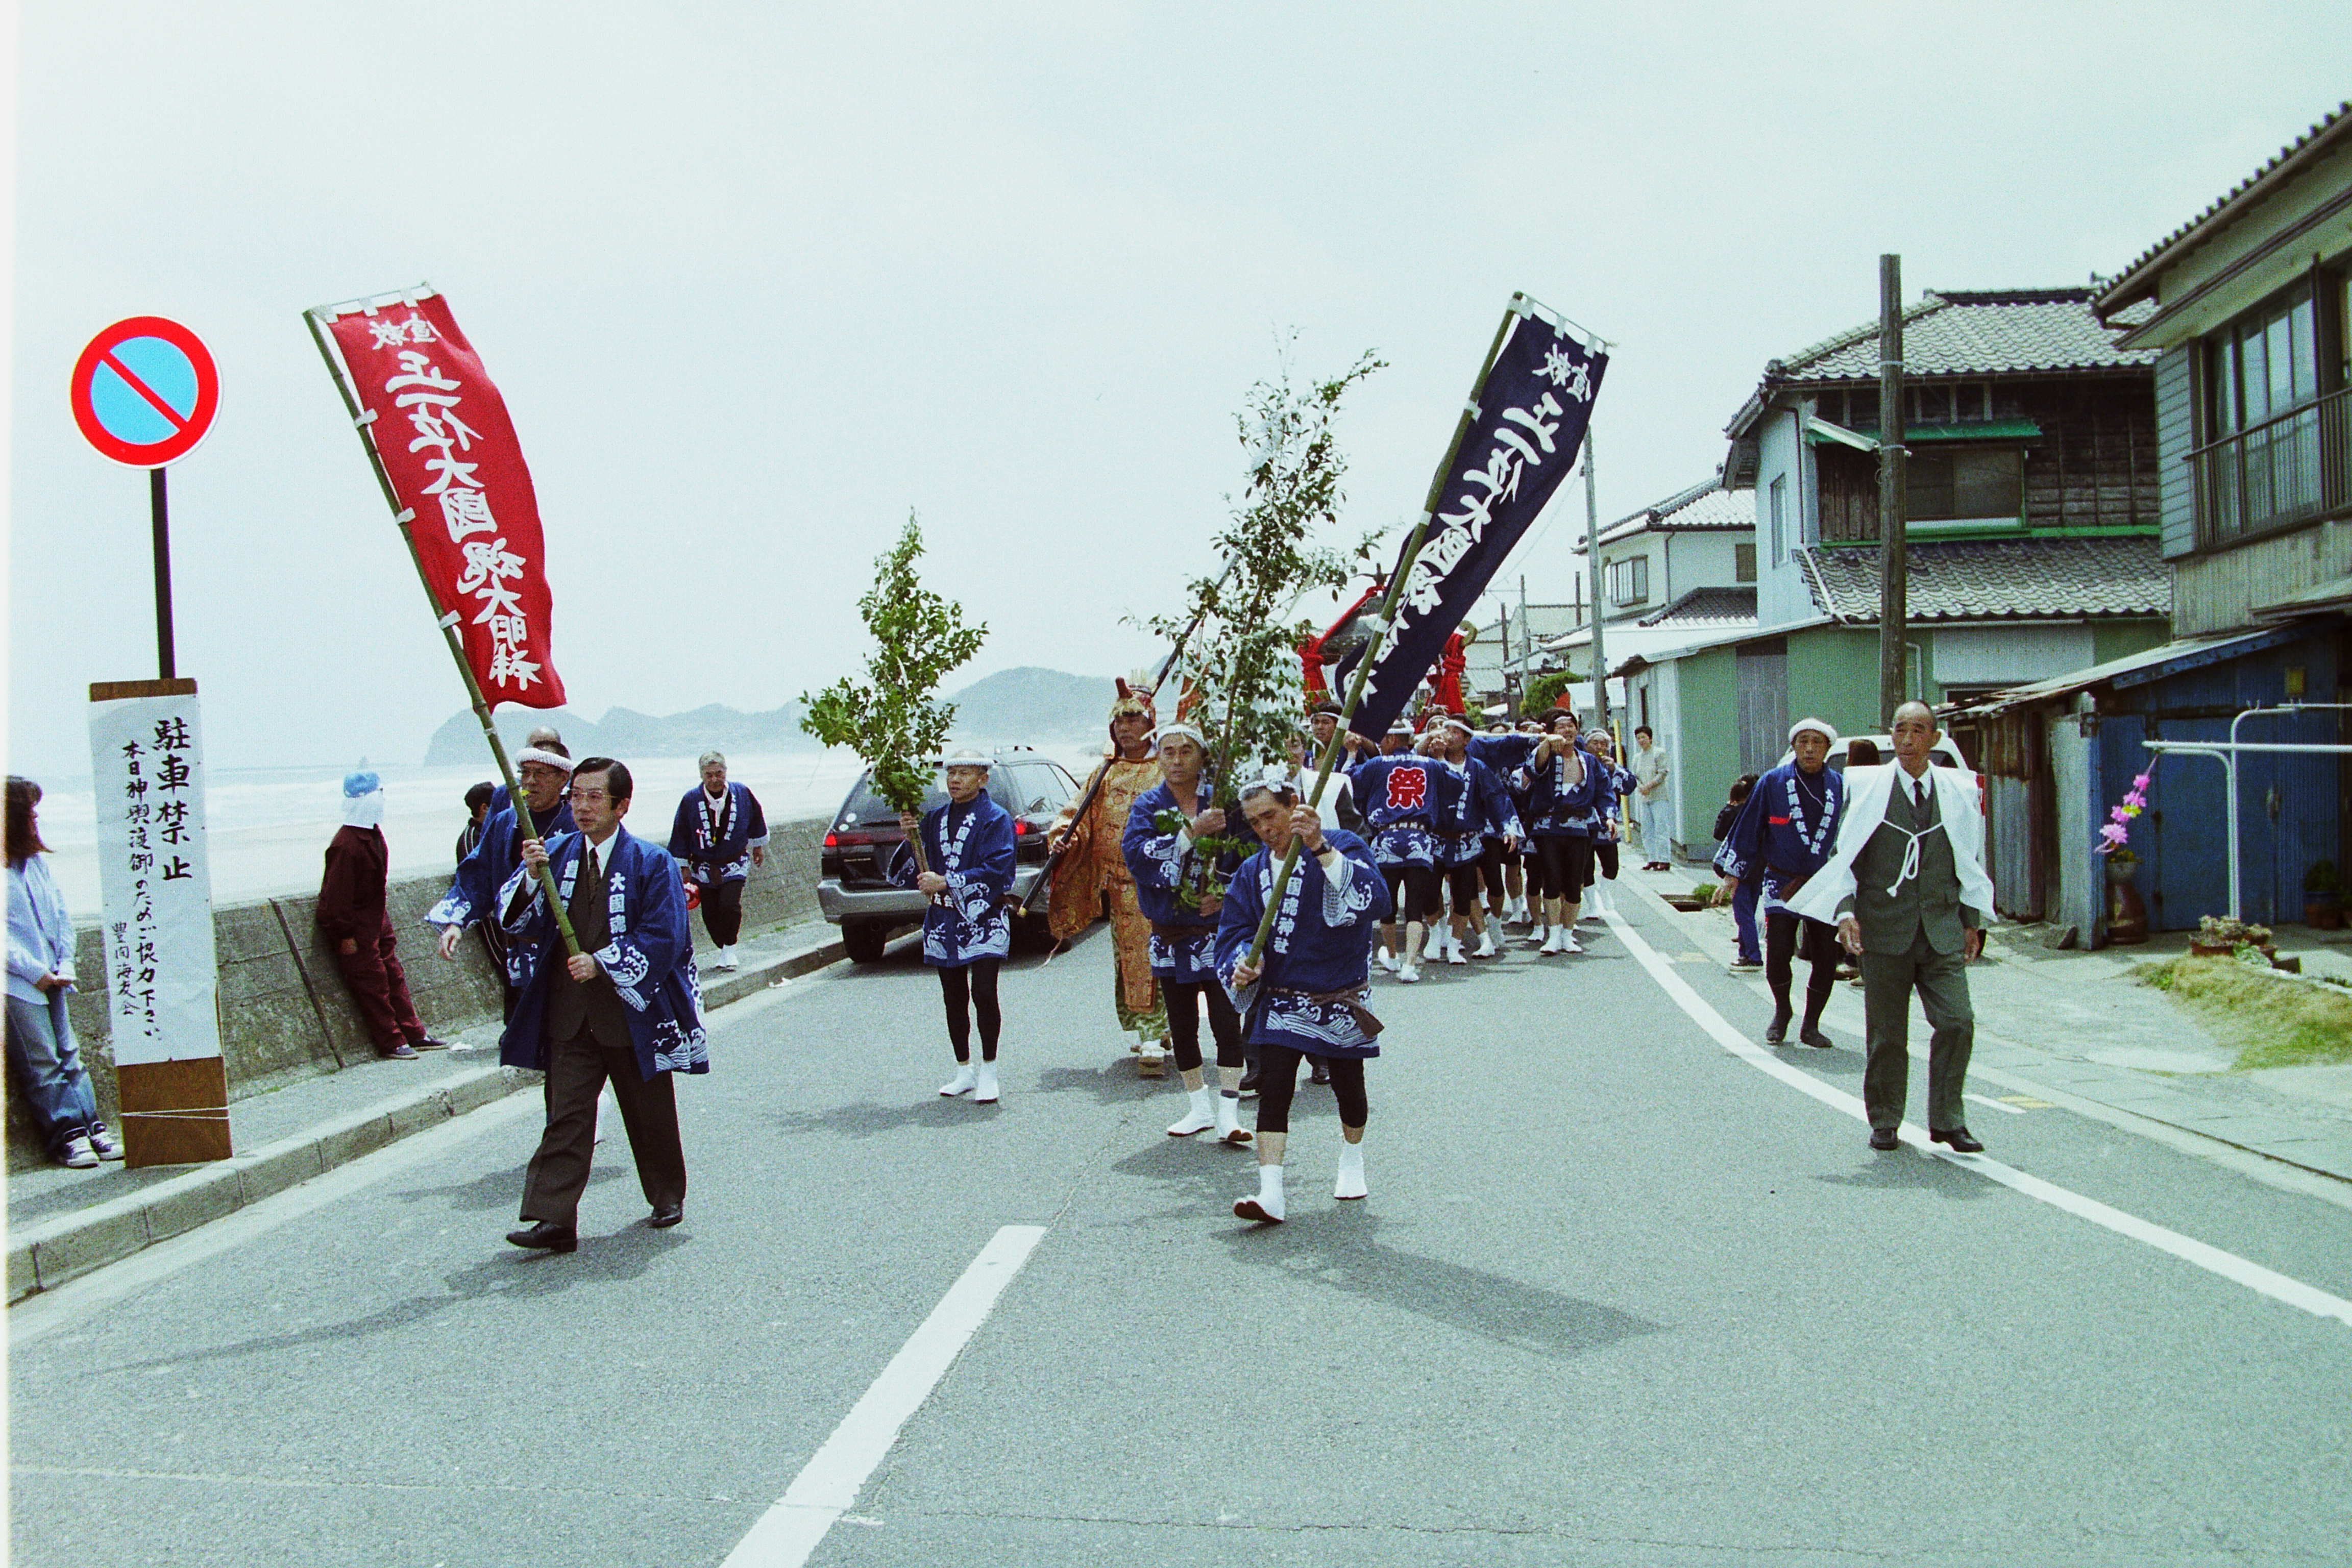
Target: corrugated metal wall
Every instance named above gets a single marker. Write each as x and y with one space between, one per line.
2176 436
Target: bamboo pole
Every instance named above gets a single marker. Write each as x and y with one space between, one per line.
448 620
1371 653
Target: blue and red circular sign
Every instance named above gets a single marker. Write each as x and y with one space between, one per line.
144 392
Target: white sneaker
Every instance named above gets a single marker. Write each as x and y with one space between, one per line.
1570 944
1199 1118
1387 959
983 1088
80 1156
962 1083
1229 1120
104 1144
1266 1209
1555 939
1350 1183
1410 973
1485 946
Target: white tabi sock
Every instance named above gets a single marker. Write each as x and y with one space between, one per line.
1351 1183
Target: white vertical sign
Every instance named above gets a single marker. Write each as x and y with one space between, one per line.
147 763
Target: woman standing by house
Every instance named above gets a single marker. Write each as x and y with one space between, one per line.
41 1051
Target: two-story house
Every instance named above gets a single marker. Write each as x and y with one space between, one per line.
2249 307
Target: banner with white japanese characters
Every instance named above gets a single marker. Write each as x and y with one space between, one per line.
442 432
1530 415
147 763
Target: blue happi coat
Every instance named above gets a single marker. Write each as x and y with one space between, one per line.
1320 947
1559 809
1397 795
713 839
474 895
1613 807
650 955
972 847
1472 807
1788 830
1183 942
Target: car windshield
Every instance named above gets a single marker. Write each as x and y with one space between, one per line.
864 807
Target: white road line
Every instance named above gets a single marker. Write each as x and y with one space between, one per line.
1995 1104
828 1484
2227 1265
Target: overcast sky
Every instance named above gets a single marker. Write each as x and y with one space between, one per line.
755 279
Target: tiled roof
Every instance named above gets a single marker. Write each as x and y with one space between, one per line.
1704 505
1706 607
1995 580
2129 286
2003 332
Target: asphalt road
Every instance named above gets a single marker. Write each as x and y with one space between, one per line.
1618 1297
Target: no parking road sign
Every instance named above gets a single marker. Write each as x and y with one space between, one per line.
144 392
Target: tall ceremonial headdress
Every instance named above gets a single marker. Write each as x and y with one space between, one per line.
451 467
1517 439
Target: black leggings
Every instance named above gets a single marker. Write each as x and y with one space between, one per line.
1490 867
1461 882
1185 1022
975 984
1604 862
1413 893
1277 1067
1567 866
1785 936
722 912
1538 880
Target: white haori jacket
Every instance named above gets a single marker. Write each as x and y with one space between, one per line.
1867 792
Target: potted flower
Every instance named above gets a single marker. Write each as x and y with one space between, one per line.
2323 897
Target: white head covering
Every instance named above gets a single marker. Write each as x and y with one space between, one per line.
1455 722
1821 727
555 760
968 757
362 799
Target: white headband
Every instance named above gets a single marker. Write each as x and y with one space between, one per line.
1181 731
1821 727
555 760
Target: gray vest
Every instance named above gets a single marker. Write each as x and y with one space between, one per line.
1927 900
594 1009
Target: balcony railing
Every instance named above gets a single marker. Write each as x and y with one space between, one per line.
2290 468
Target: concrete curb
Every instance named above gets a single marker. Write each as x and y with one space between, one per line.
43 1257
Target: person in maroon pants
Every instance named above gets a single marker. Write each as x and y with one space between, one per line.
351 916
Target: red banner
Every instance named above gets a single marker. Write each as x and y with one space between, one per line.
443 432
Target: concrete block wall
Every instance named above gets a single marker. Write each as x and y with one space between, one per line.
284 1012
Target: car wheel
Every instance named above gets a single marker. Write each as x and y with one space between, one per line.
864 940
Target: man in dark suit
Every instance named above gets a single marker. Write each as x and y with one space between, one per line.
1908 891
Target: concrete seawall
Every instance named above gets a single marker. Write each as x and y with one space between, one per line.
284 1012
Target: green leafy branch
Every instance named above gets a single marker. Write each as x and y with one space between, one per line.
893 722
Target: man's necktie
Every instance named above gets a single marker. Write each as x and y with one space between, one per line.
1920 796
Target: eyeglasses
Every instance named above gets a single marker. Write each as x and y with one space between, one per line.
585 796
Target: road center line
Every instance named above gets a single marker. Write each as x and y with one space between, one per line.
828 1484
2227 1265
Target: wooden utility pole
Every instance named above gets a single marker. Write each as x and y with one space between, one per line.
1894 574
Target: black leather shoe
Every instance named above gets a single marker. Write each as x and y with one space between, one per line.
1811 1035
1777 1030
662 1218
430 1044
1882 1138
551 1237
1321 1074
1957 1137
1248 1086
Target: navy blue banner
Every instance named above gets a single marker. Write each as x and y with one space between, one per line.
1532 411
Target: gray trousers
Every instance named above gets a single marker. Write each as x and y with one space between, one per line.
1942 980
576 1073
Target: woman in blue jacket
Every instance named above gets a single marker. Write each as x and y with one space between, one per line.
967 932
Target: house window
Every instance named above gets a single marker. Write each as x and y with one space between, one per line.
1743 562
1978 486
1629 581
1779 515
2262 461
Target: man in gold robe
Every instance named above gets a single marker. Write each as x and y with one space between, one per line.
1091 882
